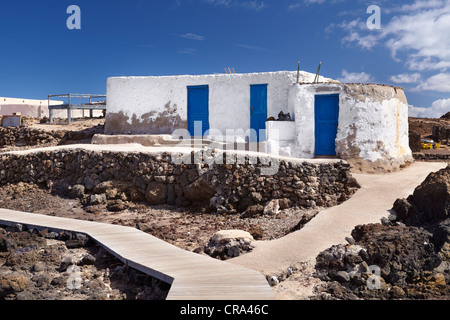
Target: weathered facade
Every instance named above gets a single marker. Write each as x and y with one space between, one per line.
370 126
363 123
159 105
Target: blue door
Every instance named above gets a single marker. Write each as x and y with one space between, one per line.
197 109
258 111
326 123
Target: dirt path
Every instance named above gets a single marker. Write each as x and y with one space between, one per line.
331 226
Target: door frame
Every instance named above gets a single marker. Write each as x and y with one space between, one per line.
265 85
316 132
196 87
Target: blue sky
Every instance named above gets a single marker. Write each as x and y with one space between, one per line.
39 55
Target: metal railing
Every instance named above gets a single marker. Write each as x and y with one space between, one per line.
89 103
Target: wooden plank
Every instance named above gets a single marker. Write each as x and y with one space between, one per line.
192 276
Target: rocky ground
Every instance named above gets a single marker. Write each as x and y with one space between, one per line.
437 129
189 230
424 126
407 256
198 232
38 133
42 265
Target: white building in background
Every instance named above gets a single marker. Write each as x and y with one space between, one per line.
38 108
26 107
361 123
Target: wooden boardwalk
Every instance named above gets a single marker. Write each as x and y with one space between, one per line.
192 276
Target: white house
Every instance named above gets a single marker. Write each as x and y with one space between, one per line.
364 123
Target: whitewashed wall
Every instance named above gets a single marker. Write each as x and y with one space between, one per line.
373 119
280 137
372 124
159 104
27 107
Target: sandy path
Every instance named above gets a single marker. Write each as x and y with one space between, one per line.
331 226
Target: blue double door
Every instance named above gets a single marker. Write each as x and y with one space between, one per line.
326 115
198 110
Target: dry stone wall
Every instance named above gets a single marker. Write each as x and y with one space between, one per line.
419 156
156 179
441 134
27 136
22 136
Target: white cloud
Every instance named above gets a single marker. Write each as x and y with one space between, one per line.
355 77
366 42
439 82
193 36
303 3
437 109
187 51
406 78
422 35
418 5
314 1
255 5
427 64
220 2
293 6
356 23
417 33
246 46
355 28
